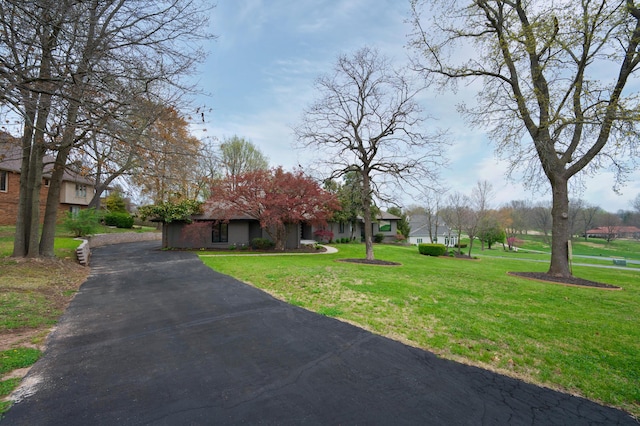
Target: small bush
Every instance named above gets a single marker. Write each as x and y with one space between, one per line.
378 238
119 220
324 235
461 245
262 244
83 223
432 249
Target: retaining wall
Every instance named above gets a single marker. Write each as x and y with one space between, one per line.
83 252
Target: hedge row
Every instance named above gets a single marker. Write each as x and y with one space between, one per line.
119 220
432 249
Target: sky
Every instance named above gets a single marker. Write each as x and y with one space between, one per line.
260 72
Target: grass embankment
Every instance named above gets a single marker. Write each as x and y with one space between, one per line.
33 295
579 340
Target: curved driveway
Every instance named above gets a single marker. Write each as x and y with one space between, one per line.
156 337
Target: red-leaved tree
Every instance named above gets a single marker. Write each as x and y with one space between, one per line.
274 197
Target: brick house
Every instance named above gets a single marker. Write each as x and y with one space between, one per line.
76 191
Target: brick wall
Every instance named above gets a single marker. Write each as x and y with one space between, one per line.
9 200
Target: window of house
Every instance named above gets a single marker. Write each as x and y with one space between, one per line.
384 226
220 233
419 240
341 230
75 210
47 182
4 177
81 191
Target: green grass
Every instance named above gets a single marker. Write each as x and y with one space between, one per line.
17 358
629 249
10 360
579 340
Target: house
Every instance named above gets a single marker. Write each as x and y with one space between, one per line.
205 231
75 193
385 224
609 232
419 233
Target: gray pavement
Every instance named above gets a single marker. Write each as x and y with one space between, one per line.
155 337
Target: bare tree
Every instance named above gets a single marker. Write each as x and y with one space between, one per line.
368 121
587 218
455 214
541 67
66 66
541 219
481 197
611 223
636 203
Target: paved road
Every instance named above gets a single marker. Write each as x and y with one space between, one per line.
155 337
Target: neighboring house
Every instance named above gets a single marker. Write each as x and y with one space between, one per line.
206 232
419 233
75 193
614 232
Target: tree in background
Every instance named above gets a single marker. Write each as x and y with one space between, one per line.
167 160
167 212
541 64
349 194
275 198
238 156
455 214
115 202
481 196
491 230
367 121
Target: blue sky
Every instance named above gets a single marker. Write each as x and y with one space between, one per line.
261 69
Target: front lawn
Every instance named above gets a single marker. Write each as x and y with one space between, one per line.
580 340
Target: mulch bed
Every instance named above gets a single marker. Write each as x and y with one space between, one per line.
571 281
370 262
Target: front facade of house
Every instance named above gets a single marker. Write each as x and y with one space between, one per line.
75 193
420 234
205 232
210 234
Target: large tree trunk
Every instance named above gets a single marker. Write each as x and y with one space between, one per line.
560 229
23 220
366 211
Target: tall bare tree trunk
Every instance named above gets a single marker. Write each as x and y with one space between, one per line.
366 212
53 197
560 229
23 220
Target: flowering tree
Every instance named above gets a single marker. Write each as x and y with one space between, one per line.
273 197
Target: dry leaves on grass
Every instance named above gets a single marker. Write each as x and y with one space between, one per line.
54 280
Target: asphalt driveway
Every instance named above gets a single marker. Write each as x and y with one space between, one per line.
156 337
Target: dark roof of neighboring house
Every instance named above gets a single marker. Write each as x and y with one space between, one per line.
387 216
11 160
419 226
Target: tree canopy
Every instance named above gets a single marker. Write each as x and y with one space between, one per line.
67 67
367 121
555 85
274 197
